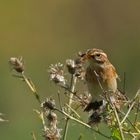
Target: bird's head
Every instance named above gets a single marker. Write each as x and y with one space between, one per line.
95 57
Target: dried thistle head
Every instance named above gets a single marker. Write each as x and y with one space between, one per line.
71 66
57 74
52 119
109 118
75 67
52 134
17 64
84 99
49 104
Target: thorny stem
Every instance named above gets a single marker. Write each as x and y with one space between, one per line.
82 123
72 88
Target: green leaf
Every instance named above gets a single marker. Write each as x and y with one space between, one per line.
115 134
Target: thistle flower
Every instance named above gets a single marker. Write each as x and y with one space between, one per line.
17 64
56 74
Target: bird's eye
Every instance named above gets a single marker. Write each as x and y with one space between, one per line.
98 55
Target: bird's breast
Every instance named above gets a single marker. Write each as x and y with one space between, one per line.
100 78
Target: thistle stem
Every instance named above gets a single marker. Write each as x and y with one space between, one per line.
31 86
82 123
72 88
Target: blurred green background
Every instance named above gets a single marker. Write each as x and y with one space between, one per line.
50 31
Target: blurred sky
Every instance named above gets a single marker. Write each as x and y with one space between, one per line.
50 31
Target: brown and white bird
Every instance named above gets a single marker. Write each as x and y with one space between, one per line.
100 73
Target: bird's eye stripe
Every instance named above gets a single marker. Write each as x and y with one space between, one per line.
103 54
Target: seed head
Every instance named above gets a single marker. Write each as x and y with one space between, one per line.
52 119
49 104
56 74
17 64
75 67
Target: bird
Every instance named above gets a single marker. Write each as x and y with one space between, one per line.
100 76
